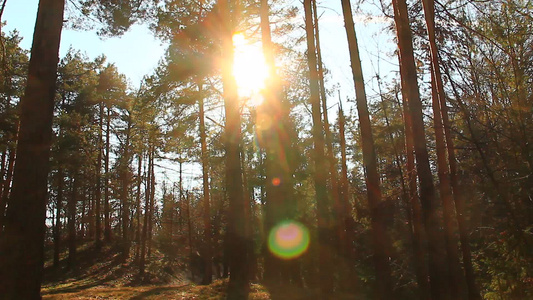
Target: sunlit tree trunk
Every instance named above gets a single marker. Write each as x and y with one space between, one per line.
418 230
6 188
332 162
124 193
21 244
379 233
441 108
323 209
98 192
455 272
107 212
144 235
437 257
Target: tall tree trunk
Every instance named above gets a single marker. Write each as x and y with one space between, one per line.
381 241
152 202
437 265
124 194
418 230
21 244
138 208
269 124
2 171
208 255
189 233
98 192
323 209
429 12
344 194
455 275
59 205
238 287
71 209
144 235
83 199
4 197
332 162
107 221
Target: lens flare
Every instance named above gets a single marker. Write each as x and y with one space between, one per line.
288 240
276 181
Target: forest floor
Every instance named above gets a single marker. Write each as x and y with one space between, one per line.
103 275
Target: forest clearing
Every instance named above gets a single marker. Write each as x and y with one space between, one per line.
266 149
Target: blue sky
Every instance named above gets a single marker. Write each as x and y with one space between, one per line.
137 52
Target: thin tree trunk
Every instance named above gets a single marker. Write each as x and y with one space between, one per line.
144 235
138 208
381 241
21 244
83 200
418 230
72 201
334 189
98 192
323 209
152 199
124 195
107 221
208 255
473 292
4 197
59 207
347 219
455 273
437 265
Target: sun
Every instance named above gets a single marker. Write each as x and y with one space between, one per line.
249 69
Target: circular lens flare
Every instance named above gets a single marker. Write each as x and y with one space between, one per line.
288 240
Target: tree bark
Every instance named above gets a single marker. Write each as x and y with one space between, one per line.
381 241
59 207
107 212
208 255
437 265
138 207
71 225
98 192
21 245
323 209
238 287
473 292
124 194
455 275
144 235
419 254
